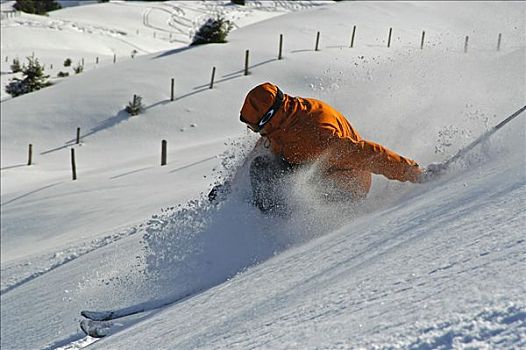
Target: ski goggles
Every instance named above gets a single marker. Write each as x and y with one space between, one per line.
278 102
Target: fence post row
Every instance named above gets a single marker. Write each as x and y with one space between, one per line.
246 72
163 152
212 79
73 164
352 36
246 62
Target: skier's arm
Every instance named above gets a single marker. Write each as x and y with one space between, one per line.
370 156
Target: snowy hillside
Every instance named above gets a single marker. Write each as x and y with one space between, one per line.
439 265
95 35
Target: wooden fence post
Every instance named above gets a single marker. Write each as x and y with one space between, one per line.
352 36
163 152
78 136
73 164
422 41
246 61
114 57
212 79
317 41
172 90
499 41
97 60
466 44
389 38
30 155
280 46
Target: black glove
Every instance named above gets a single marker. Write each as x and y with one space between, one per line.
433 171
219 192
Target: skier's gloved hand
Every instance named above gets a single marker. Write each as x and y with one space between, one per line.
432 171
219 192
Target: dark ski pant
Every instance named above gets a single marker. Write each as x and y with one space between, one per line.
269 186
267 174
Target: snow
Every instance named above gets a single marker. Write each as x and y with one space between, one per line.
439 265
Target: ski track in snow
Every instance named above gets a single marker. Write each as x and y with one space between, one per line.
15 274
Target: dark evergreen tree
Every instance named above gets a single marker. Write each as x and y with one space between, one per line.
79 68
135 107
34 79
214 30
39 7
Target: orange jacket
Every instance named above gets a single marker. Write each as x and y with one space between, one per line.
305 130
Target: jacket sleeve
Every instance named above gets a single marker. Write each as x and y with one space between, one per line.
370 156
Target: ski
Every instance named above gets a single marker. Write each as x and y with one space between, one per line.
108 315
99 329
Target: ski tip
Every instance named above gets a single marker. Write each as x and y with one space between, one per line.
88 327
97 315
99 329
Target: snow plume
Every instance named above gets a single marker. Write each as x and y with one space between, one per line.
193 247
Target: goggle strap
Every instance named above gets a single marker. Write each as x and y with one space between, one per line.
272 110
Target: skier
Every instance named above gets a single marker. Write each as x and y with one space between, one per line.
304 131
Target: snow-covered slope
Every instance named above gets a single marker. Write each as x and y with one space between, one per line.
417 266
95 35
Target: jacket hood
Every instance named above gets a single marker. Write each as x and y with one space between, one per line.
257 102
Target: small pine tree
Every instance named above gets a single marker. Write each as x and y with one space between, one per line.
15 67
39 7
79 68
214 30
67 62
135 107
34 79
